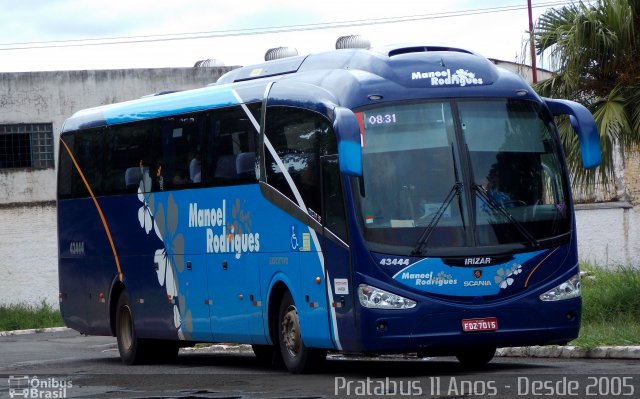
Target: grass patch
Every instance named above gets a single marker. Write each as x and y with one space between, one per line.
23 317
618 333
610 307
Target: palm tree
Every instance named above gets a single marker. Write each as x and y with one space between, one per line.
595 49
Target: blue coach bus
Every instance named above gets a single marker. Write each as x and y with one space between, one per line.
394 200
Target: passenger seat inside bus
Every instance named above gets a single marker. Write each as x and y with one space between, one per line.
236 167
133 176
246 165
226 167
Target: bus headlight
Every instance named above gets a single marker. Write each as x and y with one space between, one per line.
567 290
372 297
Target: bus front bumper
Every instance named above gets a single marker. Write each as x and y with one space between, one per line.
441 333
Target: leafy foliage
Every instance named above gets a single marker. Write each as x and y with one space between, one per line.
595 49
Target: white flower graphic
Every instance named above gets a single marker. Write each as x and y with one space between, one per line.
169 260
503 278
516 269
144 213
164 269
466 74
176 318
167 277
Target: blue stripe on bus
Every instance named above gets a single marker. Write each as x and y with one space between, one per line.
169 104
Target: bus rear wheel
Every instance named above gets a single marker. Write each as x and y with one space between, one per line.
297 357
267 355
161 351
476 357
132 349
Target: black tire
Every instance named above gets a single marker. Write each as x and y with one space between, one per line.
160 351
297 357
133 350
476 357
267 355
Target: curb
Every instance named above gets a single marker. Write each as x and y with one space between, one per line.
563 352
33 331
572 352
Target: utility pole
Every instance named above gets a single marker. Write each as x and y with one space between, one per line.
534 68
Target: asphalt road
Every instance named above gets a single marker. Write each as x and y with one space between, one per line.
66 364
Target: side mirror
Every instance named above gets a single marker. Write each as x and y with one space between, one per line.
585 127
347 130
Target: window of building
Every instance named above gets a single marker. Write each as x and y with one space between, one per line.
26 145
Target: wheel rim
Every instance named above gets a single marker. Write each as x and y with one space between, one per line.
291 331
126 328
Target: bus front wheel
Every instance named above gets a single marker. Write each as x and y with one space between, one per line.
297 357
476 357
131 348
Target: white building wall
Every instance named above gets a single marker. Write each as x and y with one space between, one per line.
29 250
609 235
525 71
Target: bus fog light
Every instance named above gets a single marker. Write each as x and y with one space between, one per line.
375 298
567 290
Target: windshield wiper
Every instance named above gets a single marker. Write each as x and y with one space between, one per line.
426 234
503 211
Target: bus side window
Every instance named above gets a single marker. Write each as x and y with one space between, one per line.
85 149
181 151
231 150
65 168
88 152
126 152
299 137
333 200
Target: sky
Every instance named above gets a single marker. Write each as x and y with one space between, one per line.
46 35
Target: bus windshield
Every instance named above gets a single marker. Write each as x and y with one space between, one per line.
460 174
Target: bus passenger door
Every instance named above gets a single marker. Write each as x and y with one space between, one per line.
193 292
336 253
234 292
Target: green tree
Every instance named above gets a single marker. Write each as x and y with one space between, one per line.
594 48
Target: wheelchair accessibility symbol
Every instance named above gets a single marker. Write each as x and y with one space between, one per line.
303 245
294 238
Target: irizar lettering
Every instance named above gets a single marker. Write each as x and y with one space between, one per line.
445 78
219 238
477 261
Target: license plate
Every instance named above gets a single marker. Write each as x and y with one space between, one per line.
484 324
